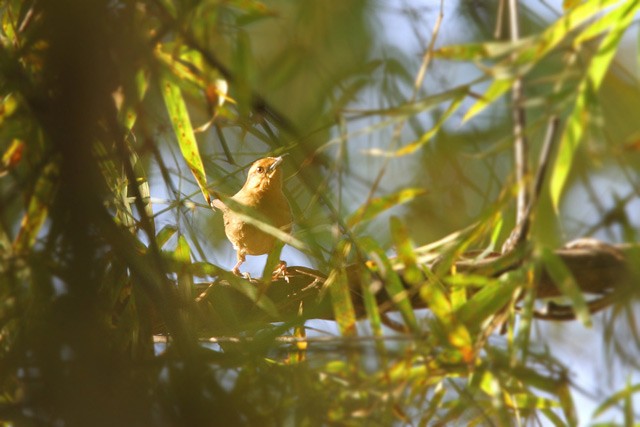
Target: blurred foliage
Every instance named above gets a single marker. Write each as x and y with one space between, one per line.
120 120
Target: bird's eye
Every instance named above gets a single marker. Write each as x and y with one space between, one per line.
260 169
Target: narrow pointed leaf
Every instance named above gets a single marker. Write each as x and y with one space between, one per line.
496 89
378 205
579 118
165 234
183 130
37 208
343 310
392 282
182 254
492 297
565 281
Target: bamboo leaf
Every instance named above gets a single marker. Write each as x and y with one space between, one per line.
165 234
338 286
565 281
392 282
479 51
182 254
614 400
492 297
496 89
129 114
370 288
457 334
183 130
37 208
377 205
411 272
564 26
12 157
579 118
426 137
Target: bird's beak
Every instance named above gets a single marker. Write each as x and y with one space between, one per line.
275 164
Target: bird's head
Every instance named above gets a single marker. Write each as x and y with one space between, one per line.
264 175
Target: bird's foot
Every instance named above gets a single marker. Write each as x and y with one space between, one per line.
280 272
239 273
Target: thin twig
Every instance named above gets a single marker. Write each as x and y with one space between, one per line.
521 146
417 84
497 33
519 233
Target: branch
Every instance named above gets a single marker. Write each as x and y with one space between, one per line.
598 268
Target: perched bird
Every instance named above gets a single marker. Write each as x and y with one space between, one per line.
261 192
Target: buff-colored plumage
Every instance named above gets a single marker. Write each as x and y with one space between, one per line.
261 192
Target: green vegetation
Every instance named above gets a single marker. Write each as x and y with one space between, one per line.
120 122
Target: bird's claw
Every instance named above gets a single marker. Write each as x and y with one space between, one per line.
280 272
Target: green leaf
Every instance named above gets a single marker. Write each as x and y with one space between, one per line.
571 20
553 417
497 88
129 114
489 300
614 400
392 282
183 130
377 205
566 283
479 51
338 286
579 117
426 137
38 207
411 272
369 288
182 255
165 234
457 334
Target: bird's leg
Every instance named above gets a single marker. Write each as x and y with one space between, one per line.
241 258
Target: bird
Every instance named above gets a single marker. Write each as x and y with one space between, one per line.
262 192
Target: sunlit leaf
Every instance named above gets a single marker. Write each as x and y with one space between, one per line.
182 255
129 113
37 208
181 123
12 156
426 137
7 107
559 30
343 310
370 288
489 300
497 88
579 118
165 234
479 51
529 401
377 205
437 299
392 282
404 247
